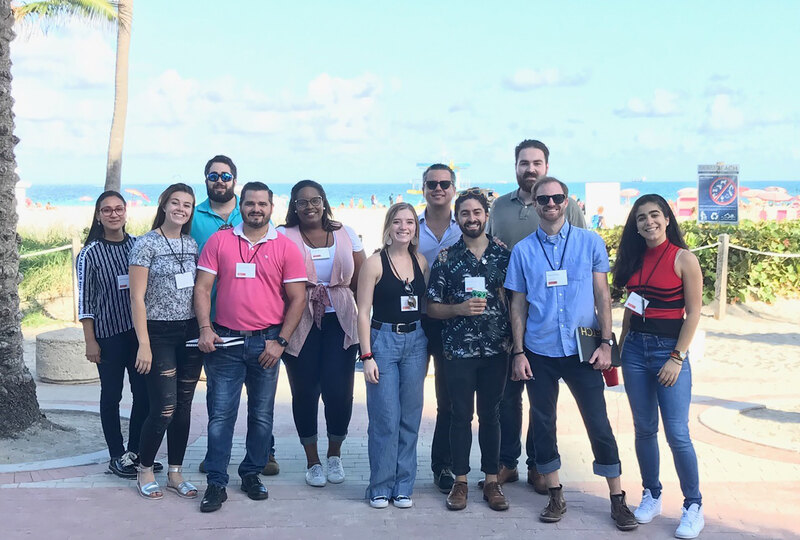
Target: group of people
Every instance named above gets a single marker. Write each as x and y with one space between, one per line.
493 295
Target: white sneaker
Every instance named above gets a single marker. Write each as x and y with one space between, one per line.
315 476
379 502
648 508
401 501
692 522
335 470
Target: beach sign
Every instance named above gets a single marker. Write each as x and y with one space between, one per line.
718 194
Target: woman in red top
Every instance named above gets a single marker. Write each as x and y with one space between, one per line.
665 287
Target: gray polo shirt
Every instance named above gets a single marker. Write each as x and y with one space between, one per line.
510 220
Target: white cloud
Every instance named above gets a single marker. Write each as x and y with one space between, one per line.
723 115
529 79
663 103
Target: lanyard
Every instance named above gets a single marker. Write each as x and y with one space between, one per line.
180 260
408 287
311 244
254 253
563 251
643 286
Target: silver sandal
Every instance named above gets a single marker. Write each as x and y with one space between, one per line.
148 490
184 489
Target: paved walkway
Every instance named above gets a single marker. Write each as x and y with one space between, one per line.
750 490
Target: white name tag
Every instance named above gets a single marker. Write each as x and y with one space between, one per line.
246 270
318 254
636 303
474 284
409 303
556 278
184 280
123 282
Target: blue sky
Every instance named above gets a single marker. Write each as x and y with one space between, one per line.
362 91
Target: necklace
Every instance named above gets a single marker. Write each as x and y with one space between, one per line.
408 287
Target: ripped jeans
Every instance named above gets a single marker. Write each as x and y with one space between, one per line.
170 386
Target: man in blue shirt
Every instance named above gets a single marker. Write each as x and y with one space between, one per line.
438 230
558 279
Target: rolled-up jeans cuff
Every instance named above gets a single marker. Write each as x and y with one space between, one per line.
607 471
547 468
309 440
336 438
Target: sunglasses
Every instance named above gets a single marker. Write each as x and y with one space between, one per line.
214 176
305 203
557 198
472 191
108 211
444 184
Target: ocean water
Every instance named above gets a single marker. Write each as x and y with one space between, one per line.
85 194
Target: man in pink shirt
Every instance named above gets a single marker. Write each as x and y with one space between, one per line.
261 279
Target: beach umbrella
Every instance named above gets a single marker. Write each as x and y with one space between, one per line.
753 193
776 189
628 193
687 192
85 198
137 193
774 196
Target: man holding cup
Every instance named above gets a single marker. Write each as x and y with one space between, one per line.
466 291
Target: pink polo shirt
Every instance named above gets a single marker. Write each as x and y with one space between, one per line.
251 303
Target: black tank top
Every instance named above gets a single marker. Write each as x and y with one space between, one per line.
389 289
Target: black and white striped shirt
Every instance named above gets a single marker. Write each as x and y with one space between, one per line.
99 294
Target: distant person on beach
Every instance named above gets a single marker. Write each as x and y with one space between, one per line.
321 355
162 269
466 292
352 205
373 201
261 282
391 199
665 288
558 279
399 198
599 220
361 203
104 309
438 229
512 218
394 350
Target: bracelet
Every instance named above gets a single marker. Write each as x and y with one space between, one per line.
367 356
513 354
676 360
206 326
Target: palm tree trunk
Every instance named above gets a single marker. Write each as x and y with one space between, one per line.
18 405
117 137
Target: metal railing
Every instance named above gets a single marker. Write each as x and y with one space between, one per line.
75 248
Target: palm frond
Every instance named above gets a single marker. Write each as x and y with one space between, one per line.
92 10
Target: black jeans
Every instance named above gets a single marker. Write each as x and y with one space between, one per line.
587 387
467 377
511 425
118 354
170 384
323 368
441 456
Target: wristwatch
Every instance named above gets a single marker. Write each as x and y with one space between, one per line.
609 342
282 342
679 354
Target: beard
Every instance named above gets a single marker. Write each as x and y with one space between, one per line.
472 233
225 196
527 181
255 222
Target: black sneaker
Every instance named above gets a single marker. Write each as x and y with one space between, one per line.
251 484
133 458
213 498
444 480
118 467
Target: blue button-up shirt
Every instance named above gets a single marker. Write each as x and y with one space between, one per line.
555 312
206 222
429 245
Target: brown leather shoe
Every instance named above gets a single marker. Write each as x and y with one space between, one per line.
537 481
493 494
621 514
457 499
504 475
556 506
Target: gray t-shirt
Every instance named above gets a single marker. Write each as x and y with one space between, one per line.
165 258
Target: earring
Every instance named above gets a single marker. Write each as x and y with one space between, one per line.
389 241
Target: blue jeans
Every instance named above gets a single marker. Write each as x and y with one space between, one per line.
227 370
643 355
511 425
394 408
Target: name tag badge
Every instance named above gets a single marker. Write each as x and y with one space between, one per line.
123 282
636 303
474 284
556 278
184 280
318 254
246 270
409 303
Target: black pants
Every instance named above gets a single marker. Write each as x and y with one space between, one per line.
170 384
467 377
118 354
322 368
441 457
511 425
587 387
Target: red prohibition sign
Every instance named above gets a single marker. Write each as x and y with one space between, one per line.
719 190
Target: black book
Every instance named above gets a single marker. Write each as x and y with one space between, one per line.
589 339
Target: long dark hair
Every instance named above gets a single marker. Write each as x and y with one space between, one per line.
292 220
387 223
632 246
96 229
161 214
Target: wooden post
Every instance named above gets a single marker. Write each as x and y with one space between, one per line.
721 283
76 248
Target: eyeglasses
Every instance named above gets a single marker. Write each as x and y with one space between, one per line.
108 211
305 203
214 176
558 198
444 184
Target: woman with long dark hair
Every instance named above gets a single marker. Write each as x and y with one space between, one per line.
321 355
162 270
394 350
665 288
104 309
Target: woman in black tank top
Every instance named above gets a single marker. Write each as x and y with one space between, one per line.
394 350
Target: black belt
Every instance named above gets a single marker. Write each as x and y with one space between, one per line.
397 328
245 333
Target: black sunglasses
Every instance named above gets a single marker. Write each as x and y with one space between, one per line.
472 191
557 198
444 184
214 176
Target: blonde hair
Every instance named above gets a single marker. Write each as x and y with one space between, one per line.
387 223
